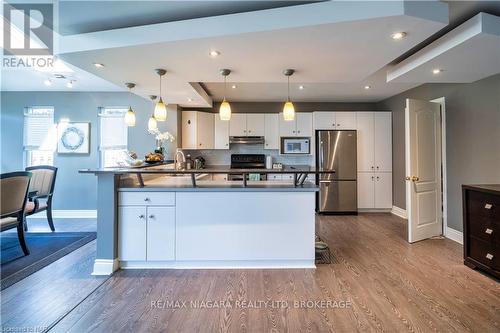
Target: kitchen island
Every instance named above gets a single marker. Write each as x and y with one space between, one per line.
159 217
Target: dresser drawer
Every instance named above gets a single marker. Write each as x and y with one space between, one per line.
483 205
146 199
484 252
483 228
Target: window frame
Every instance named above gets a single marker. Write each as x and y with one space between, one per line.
28 150
119 112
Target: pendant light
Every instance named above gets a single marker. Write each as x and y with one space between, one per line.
288 108
130 115
225 108
152 123
160 112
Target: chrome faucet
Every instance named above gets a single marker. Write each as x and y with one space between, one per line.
179 165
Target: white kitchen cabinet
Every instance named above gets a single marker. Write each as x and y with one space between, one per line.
160 235
197 130
219 176
274 176
132 233
256 124
221 134
345 120
324 120
301 126
366 190
383 190
365 133
271 131
383 141
238 124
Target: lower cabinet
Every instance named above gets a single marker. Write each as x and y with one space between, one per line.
146 233
374 190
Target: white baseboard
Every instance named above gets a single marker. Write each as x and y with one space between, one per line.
454 235
399 212
105 266
67 214
219 264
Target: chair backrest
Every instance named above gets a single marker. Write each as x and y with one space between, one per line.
43 179
13 192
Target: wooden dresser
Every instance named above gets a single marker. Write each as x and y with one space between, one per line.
481 209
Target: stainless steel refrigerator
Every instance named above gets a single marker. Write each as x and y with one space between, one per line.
337 150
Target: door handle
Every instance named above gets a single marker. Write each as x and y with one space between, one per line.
151 216
412 178
325 181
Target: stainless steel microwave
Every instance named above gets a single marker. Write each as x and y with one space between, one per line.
294 145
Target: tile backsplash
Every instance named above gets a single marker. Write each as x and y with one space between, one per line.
223 156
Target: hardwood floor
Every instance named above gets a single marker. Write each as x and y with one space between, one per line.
379 281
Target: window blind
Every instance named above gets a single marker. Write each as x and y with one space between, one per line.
39 129
113 130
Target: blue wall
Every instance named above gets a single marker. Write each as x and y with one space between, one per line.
74 190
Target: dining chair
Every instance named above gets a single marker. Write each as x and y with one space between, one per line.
14 193
41 192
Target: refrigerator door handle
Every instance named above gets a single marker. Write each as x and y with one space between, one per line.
321 157
326 181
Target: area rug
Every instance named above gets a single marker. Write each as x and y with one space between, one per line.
45 248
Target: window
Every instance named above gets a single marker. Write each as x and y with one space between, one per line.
40 135
113 134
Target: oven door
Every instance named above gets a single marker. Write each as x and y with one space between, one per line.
296 146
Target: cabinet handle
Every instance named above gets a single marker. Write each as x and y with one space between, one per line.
249 131
141 216
378 178
488 231
298 131
200 143
489 256
227 144
377 168
338 124
293 131
488 206
267 144
372 168
147 199
151 216
373 178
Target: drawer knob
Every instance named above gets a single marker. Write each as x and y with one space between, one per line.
151 216
488 206
489 256
147 199
141 216
488 231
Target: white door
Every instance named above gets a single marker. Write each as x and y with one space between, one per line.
238 124
365 129
287 128
423 169
161 233
324 120
366 190
271 131
304 124
255 124
131 233
345 120
205 130
221 133
383 190
383 141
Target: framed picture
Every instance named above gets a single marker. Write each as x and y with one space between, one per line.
73 138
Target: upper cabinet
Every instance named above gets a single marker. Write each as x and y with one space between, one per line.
334 120
271 132
243 124
302 126
221 133
197 130
374 131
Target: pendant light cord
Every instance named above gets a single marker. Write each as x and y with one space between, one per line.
225 76
288 78
160 86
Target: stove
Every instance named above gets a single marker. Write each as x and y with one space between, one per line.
247 161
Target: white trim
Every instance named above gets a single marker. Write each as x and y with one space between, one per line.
442 102
454 235
399 212
219 264
67 214
105 266
374 210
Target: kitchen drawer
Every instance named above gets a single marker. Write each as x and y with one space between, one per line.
274 176
484 252
146 199
484 205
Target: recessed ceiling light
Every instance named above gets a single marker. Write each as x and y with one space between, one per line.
69 84
98 65
190 99
301 87
234 86
368 87
47 82
214 53
436 71
398 35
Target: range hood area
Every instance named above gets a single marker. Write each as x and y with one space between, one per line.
249 140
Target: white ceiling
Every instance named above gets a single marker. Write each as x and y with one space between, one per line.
328 43
468 53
